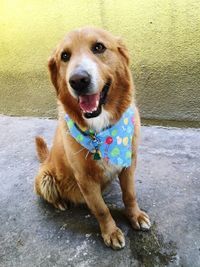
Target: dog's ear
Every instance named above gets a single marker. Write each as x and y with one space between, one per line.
123 51
53 72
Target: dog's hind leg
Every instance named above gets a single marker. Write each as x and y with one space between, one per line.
47 187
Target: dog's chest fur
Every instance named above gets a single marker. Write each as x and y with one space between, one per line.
110 171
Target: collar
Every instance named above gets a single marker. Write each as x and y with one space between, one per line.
113 144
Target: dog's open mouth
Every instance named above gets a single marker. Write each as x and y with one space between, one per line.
91 104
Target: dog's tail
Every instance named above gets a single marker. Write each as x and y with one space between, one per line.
41 148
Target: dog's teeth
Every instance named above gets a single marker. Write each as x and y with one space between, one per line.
90 111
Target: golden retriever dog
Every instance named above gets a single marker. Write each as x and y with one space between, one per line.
90 72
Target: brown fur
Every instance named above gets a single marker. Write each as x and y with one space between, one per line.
42 149
68 172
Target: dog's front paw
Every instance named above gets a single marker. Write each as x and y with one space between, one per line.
114 239
139 219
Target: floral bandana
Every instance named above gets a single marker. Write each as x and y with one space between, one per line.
114 144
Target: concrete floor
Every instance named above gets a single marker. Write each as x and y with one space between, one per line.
33 233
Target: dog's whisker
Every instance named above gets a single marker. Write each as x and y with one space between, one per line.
87 154
75 153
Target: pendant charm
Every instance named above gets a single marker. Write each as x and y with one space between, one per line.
97 155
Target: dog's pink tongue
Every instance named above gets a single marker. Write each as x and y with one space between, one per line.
89 103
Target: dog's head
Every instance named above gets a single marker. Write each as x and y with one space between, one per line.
90 71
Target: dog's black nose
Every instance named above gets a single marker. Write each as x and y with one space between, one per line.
80 81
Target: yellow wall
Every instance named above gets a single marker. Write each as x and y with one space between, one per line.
163 37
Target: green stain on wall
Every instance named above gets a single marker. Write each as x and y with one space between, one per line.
163 38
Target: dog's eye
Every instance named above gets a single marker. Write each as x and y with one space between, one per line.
65 56
98 48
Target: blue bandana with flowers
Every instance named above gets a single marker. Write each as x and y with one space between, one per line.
113 144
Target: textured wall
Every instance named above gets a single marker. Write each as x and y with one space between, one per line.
163 37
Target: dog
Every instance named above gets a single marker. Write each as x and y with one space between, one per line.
98 130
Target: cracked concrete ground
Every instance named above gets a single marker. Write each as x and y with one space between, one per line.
33 233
